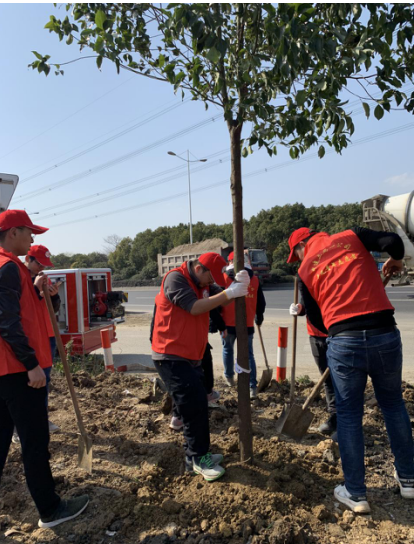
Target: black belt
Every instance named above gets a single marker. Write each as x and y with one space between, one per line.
367 333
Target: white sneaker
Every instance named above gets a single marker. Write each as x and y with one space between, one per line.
359 505
176 423
15 438
253 393
206 467
53 428
231 382
212 398
406 486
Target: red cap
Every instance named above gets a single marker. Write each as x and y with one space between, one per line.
41 254
231 256
18 218
216 264
298 236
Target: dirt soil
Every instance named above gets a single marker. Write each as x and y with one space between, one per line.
140 493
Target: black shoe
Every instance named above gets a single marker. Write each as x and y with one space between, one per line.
67 509
329 426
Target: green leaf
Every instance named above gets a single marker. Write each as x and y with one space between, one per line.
379 112
100 18
99 61
294 152
37 55
98 44
366 109
213 55
321 151
300 98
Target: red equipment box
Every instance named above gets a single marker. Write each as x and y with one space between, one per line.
88 305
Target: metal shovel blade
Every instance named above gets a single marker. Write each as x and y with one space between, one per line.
85 453
265 380
294 421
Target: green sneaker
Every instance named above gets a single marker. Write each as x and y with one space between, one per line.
67 509
207 468
216 458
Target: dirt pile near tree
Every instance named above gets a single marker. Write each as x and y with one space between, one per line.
141 494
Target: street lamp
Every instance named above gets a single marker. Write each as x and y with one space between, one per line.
187 160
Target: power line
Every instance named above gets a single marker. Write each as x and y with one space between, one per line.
94 139
181 171
310 156
104 142
118 160
66 118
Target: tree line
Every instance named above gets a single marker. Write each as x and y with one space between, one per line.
135 259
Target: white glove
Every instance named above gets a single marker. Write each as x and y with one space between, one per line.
237 289
295 309
243 277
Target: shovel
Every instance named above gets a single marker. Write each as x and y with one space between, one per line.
84 441
297 420
268 373
287 407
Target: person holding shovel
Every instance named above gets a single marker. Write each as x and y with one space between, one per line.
345 297
179 339
37 259
24 354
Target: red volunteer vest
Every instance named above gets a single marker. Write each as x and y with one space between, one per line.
32 319
342 277
177 332
313 331
229 312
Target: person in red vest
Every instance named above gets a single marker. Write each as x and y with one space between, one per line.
345 298
319 347
255 307
24 354
37 259
179 339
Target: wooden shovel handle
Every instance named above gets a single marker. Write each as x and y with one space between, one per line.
294 331
62 354
263 348
316 389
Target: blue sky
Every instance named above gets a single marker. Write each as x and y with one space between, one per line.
47 120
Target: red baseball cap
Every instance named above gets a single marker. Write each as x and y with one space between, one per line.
231 256
298 236
41 254
19 218
216 264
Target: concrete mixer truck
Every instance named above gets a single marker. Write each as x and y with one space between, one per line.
394 214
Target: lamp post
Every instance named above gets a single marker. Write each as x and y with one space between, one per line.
187 160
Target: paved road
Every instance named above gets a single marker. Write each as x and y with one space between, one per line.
278 299
134 347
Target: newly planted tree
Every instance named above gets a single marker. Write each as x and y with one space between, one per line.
281 72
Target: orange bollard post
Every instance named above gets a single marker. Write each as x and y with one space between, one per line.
106 344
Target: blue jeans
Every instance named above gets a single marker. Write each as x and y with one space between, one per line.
228 358
351 360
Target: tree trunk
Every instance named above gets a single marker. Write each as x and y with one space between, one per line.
245 418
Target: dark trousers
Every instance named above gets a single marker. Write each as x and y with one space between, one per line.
185 384
207 366
23 407
319 348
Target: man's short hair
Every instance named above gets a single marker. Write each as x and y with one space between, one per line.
3 234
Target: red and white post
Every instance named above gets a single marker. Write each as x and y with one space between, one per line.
107 349
282 340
